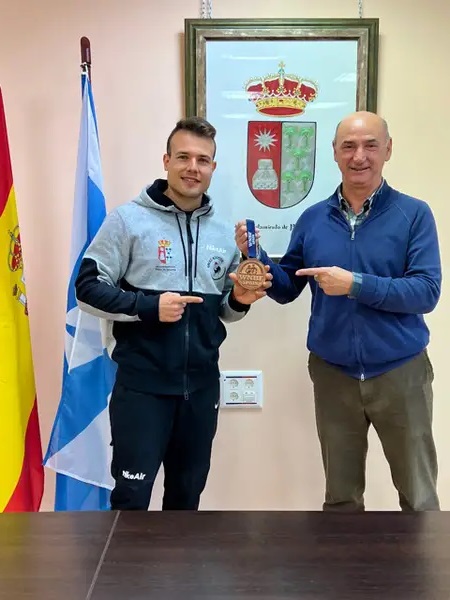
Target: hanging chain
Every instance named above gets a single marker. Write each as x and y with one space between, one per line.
206 9
360 8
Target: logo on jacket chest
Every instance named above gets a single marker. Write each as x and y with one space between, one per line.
212 248
217 267
164 254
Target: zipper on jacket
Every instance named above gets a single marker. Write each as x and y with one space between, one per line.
357 337
186 331
355 330
190 244
196 246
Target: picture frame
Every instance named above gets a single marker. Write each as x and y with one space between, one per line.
275 90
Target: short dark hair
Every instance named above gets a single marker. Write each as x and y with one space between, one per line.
195 125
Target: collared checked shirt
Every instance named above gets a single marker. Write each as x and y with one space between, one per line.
354 220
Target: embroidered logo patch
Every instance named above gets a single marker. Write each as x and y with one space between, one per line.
216 266
164 252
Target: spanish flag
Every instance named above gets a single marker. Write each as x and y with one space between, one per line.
21 470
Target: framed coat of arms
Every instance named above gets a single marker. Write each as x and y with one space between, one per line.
275 90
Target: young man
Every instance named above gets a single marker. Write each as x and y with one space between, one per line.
160 270
371 256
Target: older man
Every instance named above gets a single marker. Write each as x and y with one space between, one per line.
371 256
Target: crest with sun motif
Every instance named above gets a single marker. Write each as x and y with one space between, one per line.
280 161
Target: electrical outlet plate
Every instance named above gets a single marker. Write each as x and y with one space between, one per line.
241 389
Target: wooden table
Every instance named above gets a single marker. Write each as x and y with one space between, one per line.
225 555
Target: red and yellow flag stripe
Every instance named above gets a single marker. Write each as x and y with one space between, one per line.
21 472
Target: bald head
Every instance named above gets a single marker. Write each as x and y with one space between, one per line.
363 120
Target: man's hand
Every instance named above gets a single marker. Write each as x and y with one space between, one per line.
172 305
249 296
334 281
240 236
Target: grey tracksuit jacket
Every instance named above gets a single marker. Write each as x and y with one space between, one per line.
143 249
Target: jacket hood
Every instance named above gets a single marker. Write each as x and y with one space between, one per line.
154 197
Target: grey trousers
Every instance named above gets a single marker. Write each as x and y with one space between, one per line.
399 406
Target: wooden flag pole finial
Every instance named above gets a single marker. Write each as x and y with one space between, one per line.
85 46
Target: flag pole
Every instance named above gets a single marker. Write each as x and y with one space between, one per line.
85 46
81 426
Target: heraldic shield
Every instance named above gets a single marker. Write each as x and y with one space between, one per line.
281 157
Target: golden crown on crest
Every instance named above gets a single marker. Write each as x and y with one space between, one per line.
164 243
281 95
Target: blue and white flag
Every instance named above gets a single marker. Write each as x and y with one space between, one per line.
79 449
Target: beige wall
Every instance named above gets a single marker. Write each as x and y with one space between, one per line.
265 460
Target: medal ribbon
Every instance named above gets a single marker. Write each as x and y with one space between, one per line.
251 238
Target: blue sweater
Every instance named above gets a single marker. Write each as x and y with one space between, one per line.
397 252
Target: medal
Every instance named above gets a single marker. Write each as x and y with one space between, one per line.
251 273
